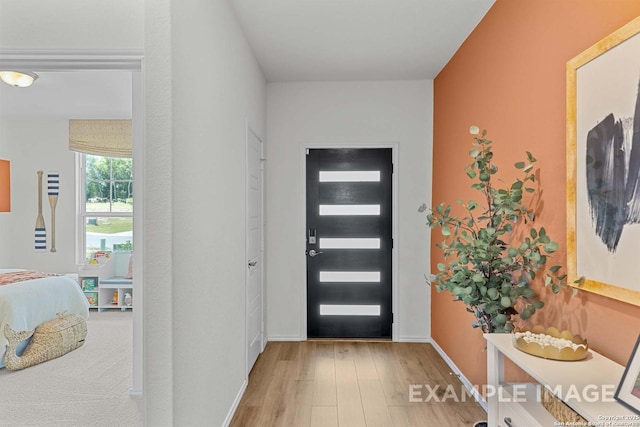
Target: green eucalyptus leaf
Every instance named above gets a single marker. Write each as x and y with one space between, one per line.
520 165
551 247
477 278
531 158
505 301
500 319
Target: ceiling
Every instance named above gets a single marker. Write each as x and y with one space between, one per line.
318 40
69 94
293 40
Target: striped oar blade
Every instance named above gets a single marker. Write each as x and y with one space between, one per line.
53 183
53 187
41 239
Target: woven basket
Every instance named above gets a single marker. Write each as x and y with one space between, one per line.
49 340
559 409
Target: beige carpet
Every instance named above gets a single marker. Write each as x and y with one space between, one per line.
87 387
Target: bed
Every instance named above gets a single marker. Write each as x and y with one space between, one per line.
26 304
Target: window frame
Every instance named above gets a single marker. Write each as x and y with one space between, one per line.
81 207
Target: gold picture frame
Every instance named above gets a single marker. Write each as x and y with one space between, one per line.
603 254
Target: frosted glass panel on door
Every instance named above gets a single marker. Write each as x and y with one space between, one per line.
349 176
349 276
349 310
349 243
349 209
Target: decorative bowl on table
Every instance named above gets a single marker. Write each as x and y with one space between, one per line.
551 343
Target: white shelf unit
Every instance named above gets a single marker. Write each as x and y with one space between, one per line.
586 386
105 295
110 278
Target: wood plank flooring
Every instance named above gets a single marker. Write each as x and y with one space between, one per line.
353 384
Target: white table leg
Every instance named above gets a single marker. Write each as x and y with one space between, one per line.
495 377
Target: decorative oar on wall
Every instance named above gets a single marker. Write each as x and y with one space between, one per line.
53 187
41 232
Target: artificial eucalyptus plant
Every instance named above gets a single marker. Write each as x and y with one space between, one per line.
494 252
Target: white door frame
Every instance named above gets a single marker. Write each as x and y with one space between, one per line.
249 129
100 60
395 327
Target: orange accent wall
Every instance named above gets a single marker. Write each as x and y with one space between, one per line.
5 186
509 77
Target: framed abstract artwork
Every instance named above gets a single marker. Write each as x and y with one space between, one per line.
603 166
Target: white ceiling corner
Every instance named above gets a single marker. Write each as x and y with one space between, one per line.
320 40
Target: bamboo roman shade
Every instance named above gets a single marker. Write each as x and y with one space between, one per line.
108 138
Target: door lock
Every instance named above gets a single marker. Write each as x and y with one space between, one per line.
313 253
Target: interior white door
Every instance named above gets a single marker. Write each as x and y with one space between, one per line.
254 249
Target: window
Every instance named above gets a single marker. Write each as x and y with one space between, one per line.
105 205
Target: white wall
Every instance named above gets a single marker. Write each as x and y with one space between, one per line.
33 145
346 112
201 82
72 24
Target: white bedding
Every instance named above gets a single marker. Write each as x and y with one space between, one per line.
25 305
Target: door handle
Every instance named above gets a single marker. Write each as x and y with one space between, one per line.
313 253
253 263
507 421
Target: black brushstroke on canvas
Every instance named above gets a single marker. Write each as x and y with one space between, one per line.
613 175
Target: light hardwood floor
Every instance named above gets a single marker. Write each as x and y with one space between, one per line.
353 384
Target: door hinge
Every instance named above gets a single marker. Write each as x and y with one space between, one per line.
393 318
391 243
307 151
392 168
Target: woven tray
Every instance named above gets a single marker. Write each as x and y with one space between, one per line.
559 409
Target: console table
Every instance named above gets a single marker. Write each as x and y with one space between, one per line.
586 386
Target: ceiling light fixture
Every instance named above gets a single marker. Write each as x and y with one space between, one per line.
18 78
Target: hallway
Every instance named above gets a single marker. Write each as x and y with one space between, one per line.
346 383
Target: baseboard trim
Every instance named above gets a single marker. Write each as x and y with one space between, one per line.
284 339
401 339
414 339
236 402
467 384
